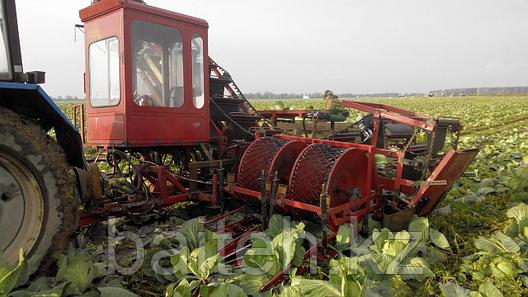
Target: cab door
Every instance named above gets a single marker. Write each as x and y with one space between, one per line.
168 104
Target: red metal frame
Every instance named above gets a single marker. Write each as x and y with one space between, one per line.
428 193
160 178
449 170
398 115
164 189
130 125
273 115
79 120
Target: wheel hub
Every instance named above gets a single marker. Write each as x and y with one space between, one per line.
21 207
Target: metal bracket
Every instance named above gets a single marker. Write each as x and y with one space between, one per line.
441 182
268 187
469 174
207 152
282 190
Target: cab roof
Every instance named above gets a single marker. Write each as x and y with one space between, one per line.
106 6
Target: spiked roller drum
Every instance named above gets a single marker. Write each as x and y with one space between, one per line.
257 157
345 171
284 161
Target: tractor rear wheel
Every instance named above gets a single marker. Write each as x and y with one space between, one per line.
38 196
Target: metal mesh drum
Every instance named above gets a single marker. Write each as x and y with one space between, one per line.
284 160
257 157
305 168
310 172
345 172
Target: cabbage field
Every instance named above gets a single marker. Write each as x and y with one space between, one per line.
474 244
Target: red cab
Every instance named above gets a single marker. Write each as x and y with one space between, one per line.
147 79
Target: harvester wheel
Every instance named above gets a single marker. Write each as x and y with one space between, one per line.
38 197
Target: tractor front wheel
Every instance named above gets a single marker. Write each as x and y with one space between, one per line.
38 196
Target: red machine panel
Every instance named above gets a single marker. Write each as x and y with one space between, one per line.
147 76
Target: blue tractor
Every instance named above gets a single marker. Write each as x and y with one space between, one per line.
40 159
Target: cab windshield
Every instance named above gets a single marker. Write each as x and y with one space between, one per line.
5 69
157 65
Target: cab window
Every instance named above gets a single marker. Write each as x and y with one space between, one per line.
157 65
198 71
104 72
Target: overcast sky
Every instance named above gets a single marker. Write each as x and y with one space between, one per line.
313 45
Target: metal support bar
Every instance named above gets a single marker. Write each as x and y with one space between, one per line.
324 217
207 152
216 187
79 118
194 166
315 122
395 114
274 188
221 194
263 200
225 215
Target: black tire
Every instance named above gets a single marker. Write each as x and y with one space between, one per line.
34 168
